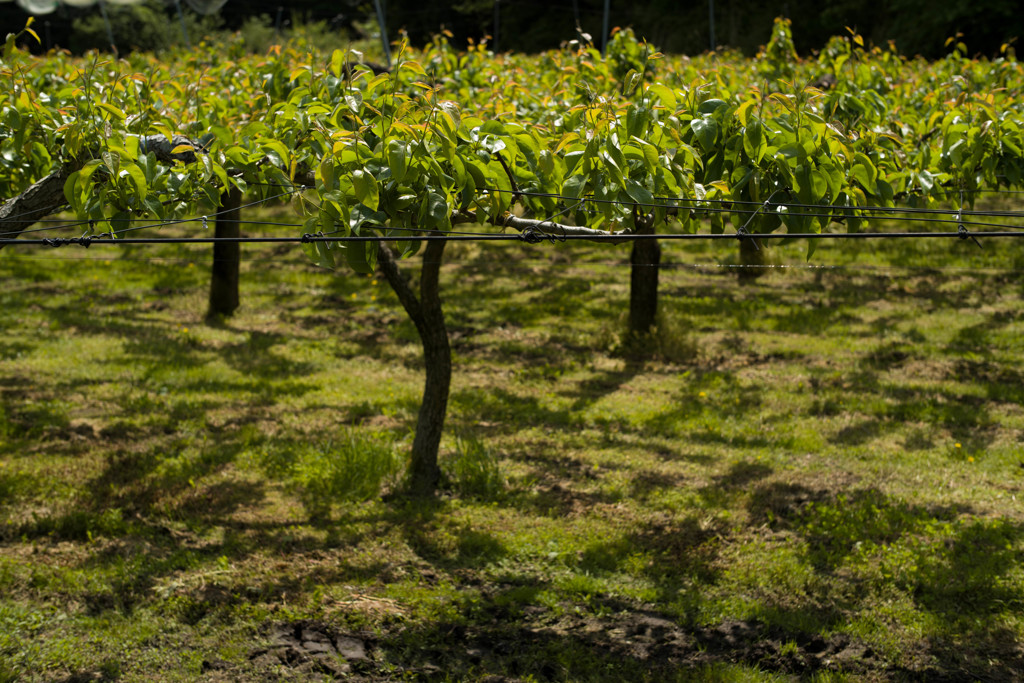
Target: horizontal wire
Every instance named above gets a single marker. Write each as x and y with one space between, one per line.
89 222
499 237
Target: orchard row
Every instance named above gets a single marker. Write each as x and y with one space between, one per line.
463 135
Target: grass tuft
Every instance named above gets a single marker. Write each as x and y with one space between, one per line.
354 466
472 470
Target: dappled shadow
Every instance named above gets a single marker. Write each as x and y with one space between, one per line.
609 639
509 411
603 383
716 394
666 552
1000 382
255 357
954 564
645 483
734 482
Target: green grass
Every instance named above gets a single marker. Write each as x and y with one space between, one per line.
813 477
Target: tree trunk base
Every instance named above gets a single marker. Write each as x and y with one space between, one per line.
226 256
753 260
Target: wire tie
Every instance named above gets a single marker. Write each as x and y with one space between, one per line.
964 234
741 232
54 242
534 235
205 226
306 238
85 240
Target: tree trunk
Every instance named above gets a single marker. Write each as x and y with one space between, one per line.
643 284
226 256
752 260
428 317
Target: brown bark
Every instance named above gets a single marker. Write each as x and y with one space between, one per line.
425 312
645 260
752 258
39 200
226 256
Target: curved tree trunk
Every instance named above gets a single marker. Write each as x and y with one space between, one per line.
226 255
428 317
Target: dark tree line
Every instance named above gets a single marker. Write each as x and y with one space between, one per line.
916 26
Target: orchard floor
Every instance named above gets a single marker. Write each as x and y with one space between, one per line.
814 476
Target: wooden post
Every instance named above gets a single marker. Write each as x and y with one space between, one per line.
226 256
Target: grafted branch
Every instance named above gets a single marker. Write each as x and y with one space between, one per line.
39 200
549 228
45 197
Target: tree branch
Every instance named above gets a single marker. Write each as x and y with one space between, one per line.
406 295
40 199
549 228
46 196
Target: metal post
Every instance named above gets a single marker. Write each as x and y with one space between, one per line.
711 21
383 32
106 21
184 29
604 32
277 24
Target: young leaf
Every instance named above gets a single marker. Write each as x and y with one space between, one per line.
366 188
706 130
396 160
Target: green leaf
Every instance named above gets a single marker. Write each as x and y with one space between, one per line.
117 114
396 159
434 212
367 191
573 186
664 94
337 62
711 106
361 256
360 215
276 152
320 253
754 143
138 177
706 130
638 193
112 161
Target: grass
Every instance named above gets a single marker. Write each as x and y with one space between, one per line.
813 477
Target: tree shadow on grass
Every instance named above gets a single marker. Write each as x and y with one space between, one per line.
510 412
959 567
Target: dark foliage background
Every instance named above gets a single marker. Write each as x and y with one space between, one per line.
915 26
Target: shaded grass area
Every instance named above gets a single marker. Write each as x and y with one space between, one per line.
814 477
